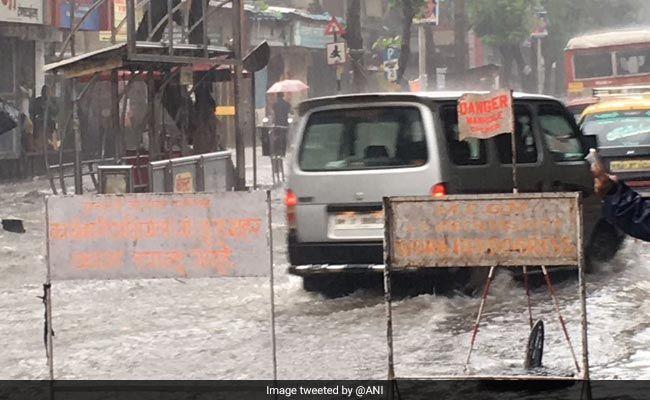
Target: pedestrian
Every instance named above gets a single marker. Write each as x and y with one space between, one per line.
37 113
622 206
281 110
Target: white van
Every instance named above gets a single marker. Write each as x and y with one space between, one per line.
351 151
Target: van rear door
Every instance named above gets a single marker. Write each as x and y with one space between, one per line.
349 158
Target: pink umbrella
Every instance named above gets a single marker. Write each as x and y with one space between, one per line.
287 86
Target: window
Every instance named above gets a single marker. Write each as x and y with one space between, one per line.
524 140
633 62
468 152
593 65
620 129
559 134
366 138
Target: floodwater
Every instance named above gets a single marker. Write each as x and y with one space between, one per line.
220 329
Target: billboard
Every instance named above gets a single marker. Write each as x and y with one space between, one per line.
157 236
64 12
484 230
23 11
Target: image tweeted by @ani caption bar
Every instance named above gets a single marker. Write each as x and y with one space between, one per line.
306 390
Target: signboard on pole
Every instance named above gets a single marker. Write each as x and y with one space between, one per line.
23 11
485 115
334 28
157 235
337 53
430 12
484 230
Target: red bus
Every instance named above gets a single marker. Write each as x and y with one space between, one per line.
616 58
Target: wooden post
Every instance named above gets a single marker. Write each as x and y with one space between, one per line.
78 178
115 116
130 26
154 143
240 157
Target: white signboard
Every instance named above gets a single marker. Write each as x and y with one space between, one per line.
157 235
336 53
25 11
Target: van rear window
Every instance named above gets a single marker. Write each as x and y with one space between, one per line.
363 138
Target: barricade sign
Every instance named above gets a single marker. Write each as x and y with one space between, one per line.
495 230
484 230
158 236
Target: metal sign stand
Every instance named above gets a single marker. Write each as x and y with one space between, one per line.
584 371
271 290
47 299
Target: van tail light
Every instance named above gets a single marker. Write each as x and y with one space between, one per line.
439 190
291 201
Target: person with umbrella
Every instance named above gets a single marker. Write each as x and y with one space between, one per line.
281 111
281 108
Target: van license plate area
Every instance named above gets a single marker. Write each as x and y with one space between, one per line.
357 220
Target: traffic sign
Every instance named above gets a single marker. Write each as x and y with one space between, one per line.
334 27
336 53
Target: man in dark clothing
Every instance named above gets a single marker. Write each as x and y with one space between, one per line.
281 111
622 206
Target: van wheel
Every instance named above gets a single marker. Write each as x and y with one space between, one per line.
605 242
329 285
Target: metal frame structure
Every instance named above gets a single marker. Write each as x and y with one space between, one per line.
164 55
389 256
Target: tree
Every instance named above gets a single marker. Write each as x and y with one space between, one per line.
567 19
504 24
410 9
355 44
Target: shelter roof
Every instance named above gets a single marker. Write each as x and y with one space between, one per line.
150 56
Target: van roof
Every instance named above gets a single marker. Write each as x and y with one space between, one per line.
402 96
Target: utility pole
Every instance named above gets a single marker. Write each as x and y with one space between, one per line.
238 47
422 57
460 33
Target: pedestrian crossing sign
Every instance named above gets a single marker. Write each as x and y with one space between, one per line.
336 53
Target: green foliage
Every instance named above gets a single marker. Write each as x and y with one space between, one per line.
571 18
386 42
501 22
418 5
261 5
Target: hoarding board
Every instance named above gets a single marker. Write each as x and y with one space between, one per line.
23 11
157 236
92 23
483 230
485 115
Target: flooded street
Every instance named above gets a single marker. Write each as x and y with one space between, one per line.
219 328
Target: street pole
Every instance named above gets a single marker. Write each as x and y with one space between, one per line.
540 67
338 74
422 57
240 158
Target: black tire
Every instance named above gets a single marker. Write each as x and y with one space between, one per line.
605 242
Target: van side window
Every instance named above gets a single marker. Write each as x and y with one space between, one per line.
524 139
468 152
559 134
